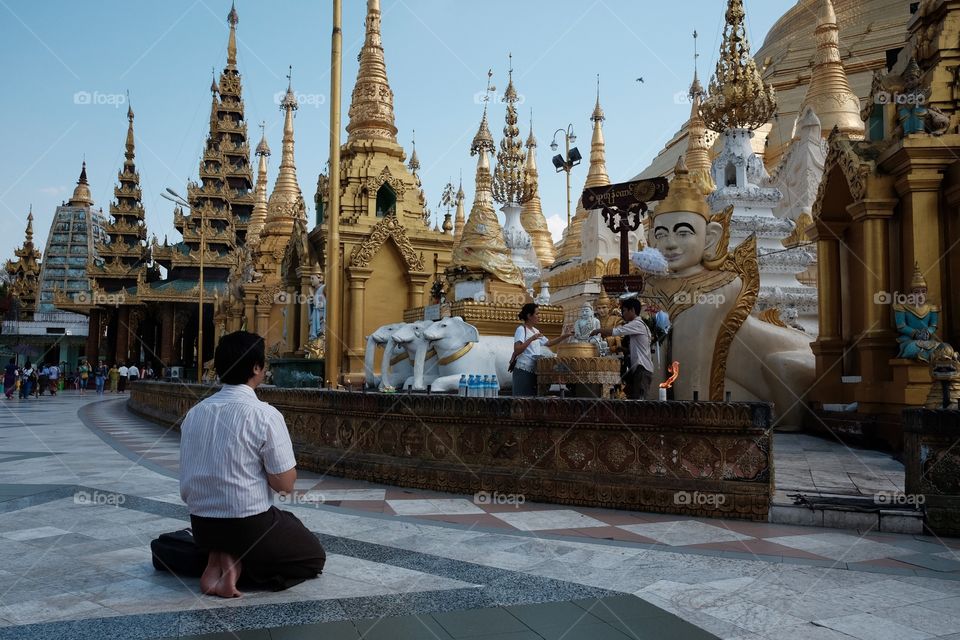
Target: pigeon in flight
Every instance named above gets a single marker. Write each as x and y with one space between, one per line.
640 79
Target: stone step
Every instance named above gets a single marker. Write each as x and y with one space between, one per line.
839 517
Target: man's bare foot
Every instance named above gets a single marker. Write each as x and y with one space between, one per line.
230 573
212 574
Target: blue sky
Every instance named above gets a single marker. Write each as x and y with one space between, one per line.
69 65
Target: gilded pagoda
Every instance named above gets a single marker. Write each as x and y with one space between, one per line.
382 225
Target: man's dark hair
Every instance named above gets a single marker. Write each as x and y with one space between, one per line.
631 303
236 355
527 310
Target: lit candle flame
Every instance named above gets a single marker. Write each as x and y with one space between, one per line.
674 370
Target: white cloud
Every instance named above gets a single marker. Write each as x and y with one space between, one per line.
556 224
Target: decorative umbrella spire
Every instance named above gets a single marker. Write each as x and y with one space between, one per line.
509 183
483 141
28 236
459 217
371 105
414 164
738 97
232 19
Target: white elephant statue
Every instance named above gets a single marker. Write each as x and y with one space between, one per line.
461 350
379 338
419 351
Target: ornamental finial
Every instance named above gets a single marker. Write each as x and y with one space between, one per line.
509 176
483 141
738 97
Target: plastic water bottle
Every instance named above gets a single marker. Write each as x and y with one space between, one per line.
471 386
486 386
495 386
462 385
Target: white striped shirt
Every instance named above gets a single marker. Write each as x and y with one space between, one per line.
229 442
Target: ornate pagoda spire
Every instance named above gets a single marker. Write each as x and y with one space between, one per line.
371 105
829 93
481 245
509 182
738 97
24 273
286 203
28 235
414 164
459 217
571 245
597 174
121 260
81 193
531 214
259 216
232 19
698 149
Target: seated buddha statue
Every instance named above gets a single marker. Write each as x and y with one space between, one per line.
584 326
709 294
917 321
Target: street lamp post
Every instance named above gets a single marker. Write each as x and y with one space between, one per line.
568 161
176 198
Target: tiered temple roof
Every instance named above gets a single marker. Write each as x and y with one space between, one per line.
123 256
24 273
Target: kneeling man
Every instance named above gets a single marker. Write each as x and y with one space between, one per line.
234 449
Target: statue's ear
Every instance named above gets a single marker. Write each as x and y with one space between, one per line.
713 233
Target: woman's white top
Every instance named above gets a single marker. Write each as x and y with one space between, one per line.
528 359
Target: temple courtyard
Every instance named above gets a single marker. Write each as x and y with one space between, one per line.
85 486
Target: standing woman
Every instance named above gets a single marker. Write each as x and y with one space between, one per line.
10 378
114 375
527 347
26 380
100 375
84 376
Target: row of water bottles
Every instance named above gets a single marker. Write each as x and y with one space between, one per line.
479 386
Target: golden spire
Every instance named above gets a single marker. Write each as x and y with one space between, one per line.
259 215
129 155
531 214
28 236
214 106
698 151
571 245
414 164
738 97
597 174
829 93
509 183
481 245
232 20
459 217
371 105
81 194
286 202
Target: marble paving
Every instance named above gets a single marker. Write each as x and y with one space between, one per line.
84 487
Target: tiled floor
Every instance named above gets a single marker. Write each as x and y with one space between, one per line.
80 500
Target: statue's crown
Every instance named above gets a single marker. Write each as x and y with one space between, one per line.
918 281
683 194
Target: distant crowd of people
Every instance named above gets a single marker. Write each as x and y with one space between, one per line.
33 380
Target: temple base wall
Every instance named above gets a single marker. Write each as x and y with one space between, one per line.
691 458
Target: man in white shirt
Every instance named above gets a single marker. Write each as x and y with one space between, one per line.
133 373
124 374
235 451
638 367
